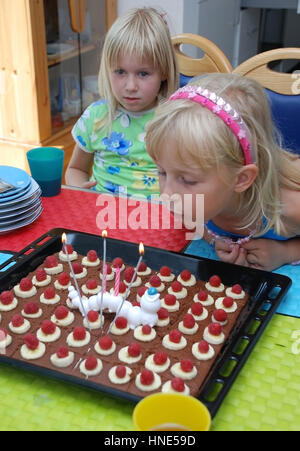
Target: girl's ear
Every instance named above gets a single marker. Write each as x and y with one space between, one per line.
246 177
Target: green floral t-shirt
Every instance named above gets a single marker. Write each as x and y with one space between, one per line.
121 163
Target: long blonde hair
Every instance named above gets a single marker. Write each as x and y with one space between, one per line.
144 33
204 141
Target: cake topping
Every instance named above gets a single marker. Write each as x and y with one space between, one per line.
121 322
91 363
147 377
228 302
237 289
141 291
48 327
92 255
25 284
93 316
40 274
49 293
186 365
30 308
175 336
6 297
165 271
185 275
155 281
51 262
142 267
163 313
79 333
146 329
176 286
197 309
91 284
64 278
69 247
120 371
170 299
31 341
61 312
215 281
215 329
17 320
122 287
160 357
77 268
134 350
220 315
128 274
202 295
62 352
177 384
105 342
189 321
203 347
117 262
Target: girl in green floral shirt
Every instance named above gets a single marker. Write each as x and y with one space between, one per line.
138 69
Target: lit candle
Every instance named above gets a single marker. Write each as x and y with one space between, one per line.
104 271
64 241
141 252
117 281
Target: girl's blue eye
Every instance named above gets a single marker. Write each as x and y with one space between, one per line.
119 71
188 182
144 74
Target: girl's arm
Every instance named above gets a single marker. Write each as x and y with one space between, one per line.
78 171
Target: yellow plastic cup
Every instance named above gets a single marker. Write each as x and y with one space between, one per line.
171 412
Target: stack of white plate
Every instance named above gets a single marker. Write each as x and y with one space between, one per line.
21 204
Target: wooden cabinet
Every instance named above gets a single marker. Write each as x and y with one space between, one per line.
49 61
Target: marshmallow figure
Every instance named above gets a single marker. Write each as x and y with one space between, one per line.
145 314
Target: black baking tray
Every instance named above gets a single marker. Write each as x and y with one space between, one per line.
265 289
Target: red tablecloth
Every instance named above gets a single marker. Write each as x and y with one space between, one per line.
125 219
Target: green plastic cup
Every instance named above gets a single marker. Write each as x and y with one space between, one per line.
46 166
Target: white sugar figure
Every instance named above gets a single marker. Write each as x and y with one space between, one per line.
150 304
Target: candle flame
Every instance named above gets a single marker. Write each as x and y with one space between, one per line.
141 249
104 233
64 238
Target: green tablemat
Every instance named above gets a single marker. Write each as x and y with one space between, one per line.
265 396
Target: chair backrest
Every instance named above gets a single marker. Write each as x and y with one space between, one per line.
283 90
213 60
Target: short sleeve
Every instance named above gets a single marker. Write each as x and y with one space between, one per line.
83 131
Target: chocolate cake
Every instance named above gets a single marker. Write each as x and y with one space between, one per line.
181 347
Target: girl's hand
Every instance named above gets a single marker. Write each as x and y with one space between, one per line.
89 184
231 252
266 254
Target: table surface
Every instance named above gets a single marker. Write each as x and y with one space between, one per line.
265 395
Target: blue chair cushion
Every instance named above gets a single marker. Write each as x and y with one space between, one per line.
286 113
184 80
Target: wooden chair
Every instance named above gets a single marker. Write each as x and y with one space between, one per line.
214 60
283 90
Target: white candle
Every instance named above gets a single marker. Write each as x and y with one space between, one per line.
64 241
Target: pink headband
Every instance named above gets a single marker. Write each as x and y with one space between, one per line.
224 110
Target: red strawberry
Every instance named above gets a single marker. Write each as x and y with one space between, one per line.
134 349
91 284
215 329
77 268
17 320
237 289
121 322
30 308
62 352
160 357
48 327
49 293
227 302
120 371
162 313
79 333
31 341
203 346
189 321
202 295
51 262
175 336
93 316
61 312
105 342
185 275
170 299
25 284
142 267
117 262
147 377
128 274
141 291
220 315
177 384
122 287
91 363
165 271
215 281
69 247
64 279
92 255
40 274
146 329
6 297
197 309
186 365
155 281
176 286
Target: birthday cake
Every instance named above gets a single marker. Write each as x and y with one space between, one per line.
166 337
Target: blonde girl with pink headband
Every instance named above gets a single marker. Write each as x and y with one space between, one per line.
216 137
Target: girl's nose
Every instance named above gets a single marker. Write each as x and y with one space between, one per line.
131 84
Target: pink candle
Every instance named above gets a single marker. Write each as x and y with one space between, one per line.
117 281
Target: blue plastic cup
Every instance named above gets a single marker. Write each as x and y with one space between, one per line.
46 166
